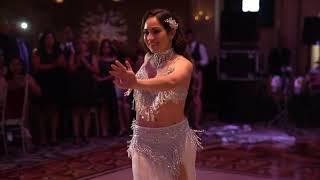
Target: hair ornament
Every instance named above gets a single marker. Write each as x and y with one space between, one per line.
172 23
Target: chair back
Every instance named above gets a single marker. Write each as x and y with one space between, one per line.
3 98
17 103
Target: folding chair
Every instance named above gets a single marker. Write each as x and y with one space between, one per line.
14 113
3 97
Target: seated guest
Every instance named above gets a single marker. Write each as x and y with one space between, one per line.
3 85
313 79
17 80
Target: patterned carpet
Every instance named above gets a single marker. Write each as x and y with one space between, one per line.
66 162
300 162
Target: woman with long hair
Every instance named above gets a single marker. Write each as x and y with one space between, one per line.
106 94
49 65
163 146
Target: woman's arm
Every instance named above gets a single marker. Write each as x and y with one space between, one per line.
200 83
93 68
34 87
125 78
41 67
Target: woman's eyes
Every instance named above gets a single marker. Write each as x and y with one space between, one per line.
145 32
155 31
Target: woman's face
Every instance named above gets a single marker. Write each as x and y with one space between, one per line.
16 66
49 40
156 38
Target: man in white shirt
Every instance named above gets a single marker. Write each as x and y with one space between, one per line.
67 46
314 79
197 50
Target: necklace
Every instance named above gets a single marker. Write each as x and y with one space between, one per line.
158 60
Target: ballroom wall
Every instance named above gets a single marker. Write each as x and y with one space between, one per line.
45 13
286 30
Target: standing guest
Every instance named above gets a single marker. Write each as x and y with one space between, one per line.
196 50
83 67
106 94
18 81
49 65
67 46
196 89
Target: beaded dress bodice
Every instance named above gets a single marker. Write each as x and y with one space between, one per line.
147 103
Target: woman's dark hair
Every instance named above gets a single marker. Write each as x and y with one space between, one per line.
113 52
178 41
41 45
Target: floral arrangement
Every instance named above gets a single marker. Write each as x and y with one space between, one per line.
100 25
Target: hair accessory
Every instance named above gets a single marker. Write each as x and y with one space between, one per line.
172 23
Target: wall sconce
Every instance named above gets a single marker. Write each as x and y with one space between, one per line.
201 16
59 1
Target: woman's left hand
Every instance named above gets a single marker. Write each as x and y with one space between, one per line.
124 75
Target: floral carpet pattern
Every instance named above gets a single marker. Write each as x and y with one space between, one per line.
301 162
73 167
66 162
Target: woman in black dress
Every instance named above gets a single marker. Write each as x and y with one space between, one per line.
106 95
49 67
83 67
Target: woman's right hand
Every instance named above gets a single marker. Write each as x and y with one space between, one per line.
125 78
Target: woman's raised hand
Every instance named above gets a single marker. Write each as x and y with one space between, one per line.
124 75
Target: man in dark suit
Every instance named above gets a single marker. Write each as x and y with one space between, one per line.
24 51
197 50
21 47
67 46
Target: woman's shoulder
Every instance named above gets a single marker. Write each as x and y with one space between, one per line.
181 57
147 56
181 60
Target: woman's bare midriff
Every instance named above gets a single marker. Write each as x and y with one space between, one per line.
169 114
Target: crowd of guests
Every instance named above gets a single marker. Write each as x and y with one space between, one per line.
71 93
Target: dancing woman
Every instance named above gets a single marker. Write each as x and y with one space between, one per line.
163 147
